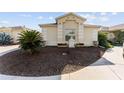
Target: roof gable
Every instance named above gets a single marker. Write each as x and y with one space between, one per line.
72 14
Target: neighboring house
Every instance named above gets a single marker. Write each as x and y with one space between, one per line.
13 31
112 30
117 27
67 26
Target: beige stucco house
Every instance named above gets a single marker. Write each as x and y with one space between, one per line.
13 31
67 27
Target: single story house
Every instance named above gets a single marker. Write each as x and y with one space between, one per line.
13 31
67 27
112 30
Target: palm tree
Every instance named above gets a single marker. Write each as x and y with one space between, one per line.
30 40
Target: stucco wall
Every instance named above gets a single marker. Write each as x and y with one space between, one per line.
70 26
7 31
50 34
13 33
88 36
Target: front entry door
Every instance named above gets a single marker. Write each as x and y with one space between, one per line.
69 33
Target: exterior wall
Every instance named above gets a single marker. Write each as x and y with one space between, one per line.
60 33
6 30
50 35
90 35
13 33
81 33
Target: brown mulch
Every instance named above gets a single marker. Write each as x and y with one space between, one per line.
48 61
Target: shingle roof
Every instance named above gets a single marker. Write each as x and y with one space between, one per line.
116 27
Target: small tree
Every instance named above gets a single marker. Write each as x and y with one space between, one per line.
119 37
102 38
30 40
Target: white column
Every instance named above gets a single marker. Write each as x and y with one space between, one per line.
44 32
81 33
60 33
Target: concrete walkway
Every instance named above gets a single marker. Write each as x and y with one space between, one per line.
7 49
109 67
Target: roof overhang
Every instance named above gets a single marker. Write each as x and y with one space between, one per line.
48 25
92 26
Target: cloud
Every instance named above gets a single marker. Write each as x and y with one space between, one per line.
25 15
4 22
51 17
85 15
103 13
104 18
40 17
89 16
114 13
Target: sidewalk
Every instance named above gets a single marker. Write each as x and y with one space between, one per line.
4 49
109 67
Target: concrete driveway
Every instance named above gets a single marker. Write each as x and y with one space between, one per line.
109 67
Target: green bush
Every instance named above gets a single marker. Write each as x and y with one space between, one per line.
30 40
102 38
119 37
5 39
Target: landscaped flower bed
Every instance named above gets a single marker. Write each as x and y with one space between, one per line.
48 61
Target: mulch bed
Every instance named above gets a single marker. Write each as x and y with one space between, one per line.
48 61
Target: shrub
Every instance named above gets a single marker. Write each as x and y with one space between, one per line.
5 39
119 37
30 40
102 38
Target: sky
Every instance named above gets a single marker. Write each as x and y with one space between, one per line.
32 19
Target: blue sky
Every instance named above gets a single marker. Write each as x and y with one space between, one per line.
32 19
